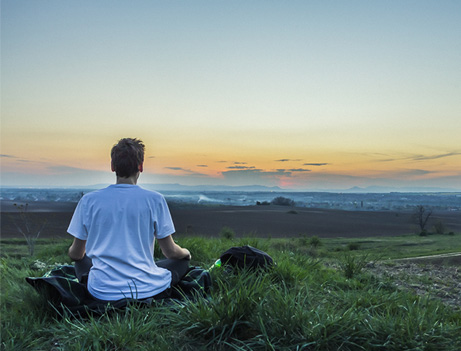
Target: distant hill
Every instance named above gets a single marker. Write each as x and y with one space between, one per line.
254 188
180 187
386 189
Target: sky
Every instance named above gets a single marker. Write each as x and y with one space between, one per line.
296 94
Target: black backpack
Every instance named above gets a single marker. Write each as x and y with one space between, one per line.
246 257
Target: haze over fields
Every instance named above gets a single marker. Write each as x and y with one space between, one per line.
299 94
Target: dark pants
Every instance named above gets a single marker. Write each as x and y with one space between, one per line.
178 268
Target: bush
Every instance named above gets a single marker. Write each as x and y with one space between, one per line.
353 246
227 233
28 226
282 201
439 228
352 265
315 242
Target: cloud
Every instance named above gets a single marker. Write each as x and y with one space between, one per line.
299 170
56 175
241 167
380 157
287 172
17 159
388 159
251 176
416 157
434 157
288 160
315 164
176 168
202 165
188 171
151 157
221 161
240 163
412 172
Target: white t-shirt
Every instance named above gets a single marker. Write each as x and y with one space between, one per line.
119 224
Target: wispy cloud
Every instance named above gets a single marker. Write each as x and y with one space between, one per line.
241 167
202 165
315 164
389 159
254 171
188 171
17 159
299 170
381 157
434 157
288 160
413 172
256 176
240 163
291 170
265 173
418 157
176 168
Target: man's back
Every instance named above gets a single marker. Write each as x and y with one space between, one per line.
119 224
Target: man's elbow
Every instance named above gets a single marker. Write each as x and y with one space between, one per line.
75 256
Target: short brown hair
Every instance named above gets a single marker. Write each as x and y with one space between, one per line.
126 156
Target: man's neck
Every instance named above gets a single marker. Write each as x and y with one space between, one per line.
129 180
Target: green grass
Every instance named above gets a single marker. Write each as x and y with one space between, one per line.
302 304
396 247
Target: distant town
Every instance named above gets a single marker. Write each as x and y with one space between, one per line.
360 201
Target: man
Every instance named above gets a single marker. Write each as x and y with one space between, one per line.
114 233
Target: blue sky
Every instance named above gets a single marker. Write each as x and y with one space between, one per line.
351 93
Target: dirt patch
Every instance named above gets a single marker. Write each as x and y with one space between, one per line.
453 259
438 277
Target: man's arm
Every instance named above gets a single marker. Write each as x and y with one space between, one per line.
172 250
77 249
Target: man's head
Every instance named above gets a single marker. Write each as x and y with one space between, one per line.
127 157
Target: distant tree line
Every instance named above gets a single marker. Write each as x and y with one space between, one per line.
278 201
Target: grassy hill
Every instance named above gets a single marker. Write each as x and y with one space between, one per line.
328 294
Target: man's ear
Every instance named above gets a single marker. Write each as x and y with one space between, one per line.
140 167
112 166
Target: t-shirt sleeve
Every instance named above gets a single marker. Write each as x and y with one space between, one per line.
77 226
164 223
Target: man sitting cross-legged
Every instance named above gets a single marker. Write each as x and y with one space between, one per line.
115 230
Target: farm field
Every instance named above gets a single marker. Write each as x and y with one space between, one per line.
257 221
